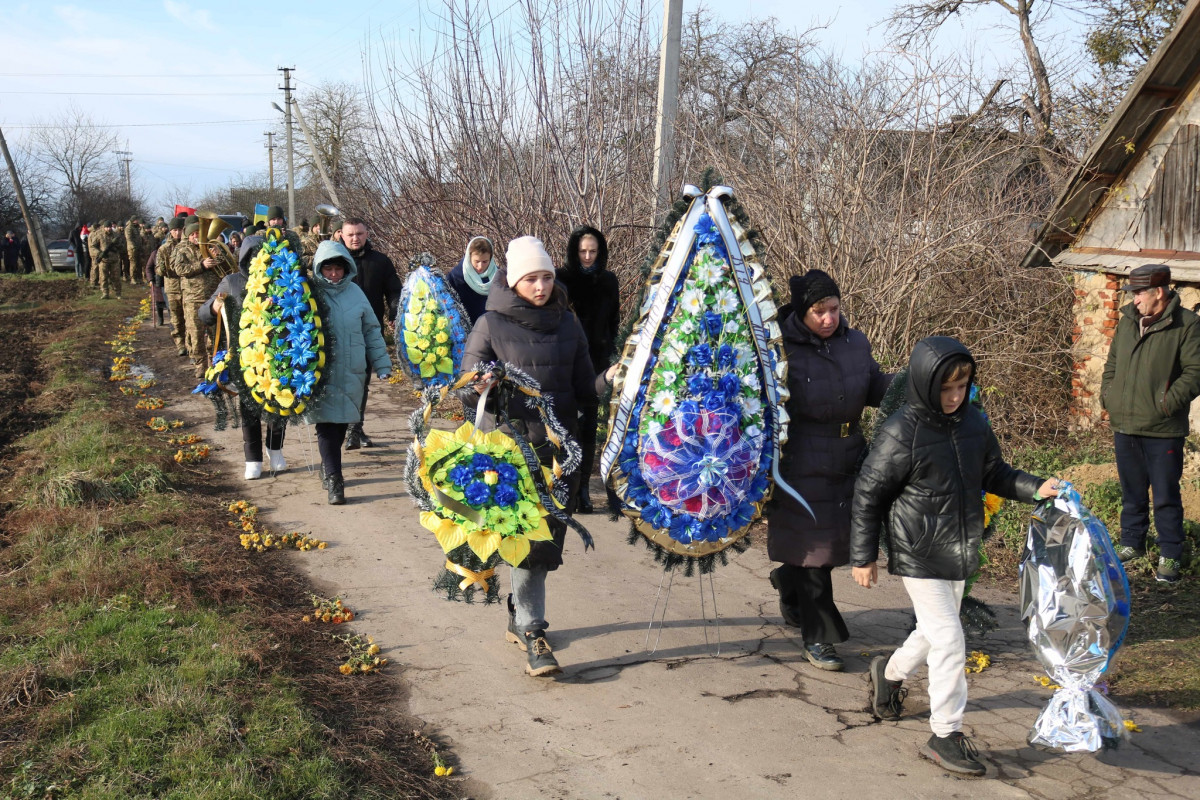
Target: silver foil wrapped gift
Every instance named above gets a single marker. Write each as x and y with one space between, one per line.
1075 603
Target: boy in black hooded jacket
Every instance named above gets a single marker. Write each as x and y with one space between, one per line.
927 472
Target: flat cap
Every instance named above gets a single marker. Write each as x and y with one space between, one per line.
1148 276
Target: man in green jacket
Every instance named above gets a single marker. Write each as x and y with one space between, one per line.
1150 379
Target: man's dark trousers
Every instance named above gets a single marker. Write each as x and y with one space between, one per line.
1147 463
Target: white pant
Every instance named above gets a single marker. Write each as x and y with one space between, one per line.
938 640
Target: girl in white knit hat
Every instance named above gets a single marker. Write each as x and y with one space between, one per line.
528 325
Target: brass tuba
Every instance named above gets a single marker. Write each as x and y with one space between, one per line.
326 212
211 227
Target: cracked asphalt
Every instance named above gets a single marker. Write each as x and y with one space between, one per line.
726 704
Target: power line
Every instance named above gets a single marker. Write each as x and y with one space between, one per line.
145 124
113 75
142 94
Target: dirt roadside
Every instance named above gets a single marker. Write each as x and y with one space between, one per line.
754 720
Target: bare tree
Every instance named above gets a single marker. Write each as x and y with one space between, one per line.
75 152
337 117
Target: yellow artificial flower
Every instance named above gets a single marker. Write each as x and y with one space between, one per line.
445 365
514 549
448 534
255 307
483 543
441 352
256 359
285 398
441 337
260 333
428 319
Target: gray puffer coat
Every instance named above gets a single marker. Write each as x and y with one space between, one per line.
548 344
926 473
831 382
352 337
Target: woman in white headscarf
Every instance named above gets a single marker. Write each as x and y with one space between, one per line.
472 278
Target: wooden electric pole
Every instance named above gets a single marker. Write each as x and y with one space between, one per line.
41 256
668 103
287 113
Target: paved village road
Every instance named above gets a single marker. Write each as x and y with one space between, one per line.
752 721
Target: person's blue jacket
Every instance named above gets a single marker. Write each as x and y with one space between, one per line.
352 338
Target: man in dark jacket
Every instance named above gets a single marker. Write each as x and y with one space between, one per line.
595 296
10 251
1151 377
926 473
378 279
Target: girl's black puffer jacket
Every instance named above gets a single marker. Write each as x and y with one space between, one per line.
926 471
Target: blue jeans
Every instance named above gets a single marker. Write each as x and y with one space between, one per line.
1145 463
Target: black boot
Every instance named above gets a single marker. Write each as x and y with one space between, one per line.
512 634
337 493
584 506
354 437
787 597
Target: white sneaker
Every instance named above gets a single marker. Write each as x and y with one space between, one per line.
278 462
253 470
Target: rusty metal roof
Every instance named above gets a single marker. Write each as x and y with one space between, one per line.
1150 100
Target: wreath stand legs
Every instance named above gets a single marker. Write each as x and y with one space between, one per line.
659 620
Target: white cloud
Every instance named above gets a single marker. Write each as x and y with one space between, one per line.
189 15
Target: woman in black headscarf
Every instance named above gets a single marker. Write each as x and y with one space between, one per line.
832 377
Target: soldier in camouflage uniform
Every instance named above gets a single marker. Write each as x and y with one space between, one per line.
172 284
93 253
200 277
108 260
135 249
122 254
159 231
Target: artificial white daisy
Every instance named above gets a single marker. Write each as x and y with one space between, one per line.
726 301
669 377
692 301
664 403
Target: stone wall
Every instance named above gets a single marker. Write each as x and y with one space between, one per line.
1098 301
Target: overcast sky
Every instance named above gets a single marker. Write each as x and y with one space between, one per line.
190 91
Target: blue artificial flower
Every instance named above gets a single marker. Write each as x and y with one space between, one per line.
726 357
706 230
218 356
204 387
275 322
657 515
300 354
714 401
679 526
506 494
700 355
291 281
301 334
730 386
461 475
699 383
477 493
482 461
302 382
285 379
741 515
713 322
508 473
293 304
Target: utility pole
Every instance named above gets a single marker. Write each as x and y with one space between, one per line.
287 113
668 102
41 256
125 157
312 148
270 159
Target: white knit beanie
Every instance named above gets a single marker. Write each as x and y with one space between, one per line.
526 255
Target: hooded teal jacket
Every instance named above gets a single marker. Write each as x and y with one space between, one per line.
353 339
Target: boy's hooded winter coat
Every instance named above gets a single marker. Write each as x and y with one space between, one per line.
831 381
548 344
926 472
352 337
595 295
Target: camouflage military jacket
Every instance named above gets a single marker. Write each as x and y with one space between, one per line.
186 261
164 266
103 243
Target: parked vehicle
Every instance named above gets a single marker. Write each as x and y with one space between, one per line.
62 255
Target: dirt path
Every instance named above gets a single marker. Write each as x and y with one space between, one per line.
755 720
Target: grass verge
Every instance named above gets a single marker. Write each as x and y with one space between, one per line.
143 653
1159 663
